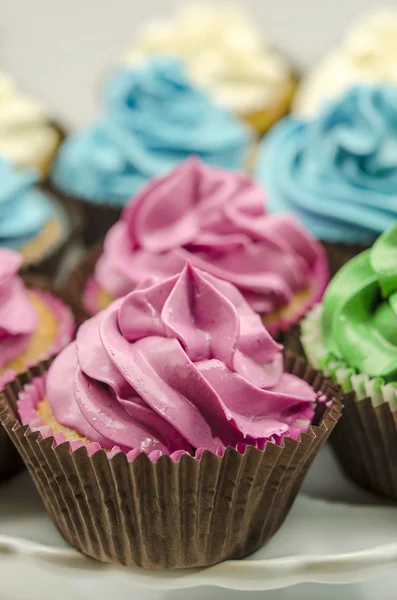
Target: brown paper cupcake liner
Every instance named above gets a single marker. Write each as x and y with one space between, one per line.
49 261
98 218
365 442
75 285
10 461
191 513
366 445
339 254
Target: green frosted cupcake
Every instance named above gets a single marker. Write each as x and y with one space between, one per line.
352 337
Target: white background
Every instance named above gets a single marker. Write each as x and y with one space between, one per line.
59 50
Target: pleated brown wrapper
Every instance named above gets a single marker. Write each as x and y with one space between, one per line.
75 285
191 513
97 218
49 262
10 460
365 441
339 254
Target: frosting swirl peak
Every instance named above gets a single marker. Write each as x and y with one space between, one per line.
180 365
338 172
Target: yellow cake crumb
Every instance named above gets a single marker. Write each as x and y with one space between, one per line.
263 119
44 411
42 339
49 235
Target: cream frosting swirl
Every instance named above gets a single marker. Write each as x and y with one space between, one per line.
25 134
368 54
18 319
181 365
215 220
224 52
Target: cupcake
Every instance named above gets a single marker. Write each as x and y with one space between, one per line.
352 337
338 172
225 55
34 324
32 221
174 436
216 220
154 119
27 137
368 55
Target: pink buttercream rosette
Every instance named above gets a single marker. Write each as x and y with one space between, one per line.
216 220
180 366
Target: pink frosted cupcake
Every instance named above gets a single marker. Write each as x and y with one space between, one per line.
216 220
34 325
181 438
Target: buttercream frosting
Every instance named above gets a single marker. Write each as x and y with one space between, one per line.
153 120
337 172
26 137
368 54
224 52
359 318
24 210
216 220
18 319
180 365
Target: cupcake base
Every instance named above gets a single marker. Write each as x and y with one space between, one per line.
55 336
44 163
365 443
164 513
262 120
97 218
45 253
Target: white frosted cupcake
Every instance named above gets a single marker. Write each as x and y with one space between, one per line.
367 54
225 53
27 137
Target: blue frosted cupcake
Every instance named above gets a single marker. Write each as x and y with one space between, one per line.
337 172
32 221
153 119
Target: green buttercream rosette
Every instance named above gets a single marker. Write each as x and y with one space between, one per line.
352 335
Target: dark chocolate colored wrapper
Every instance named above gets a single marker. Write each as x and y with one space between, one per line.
291 340
98 218
339 254
365 444
10 460
49 263
191 513
77 280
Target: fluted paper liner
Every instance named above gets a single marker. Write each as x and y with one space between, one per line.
98 217
365 442
50 260
75 285
10 461
339 254
165 514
